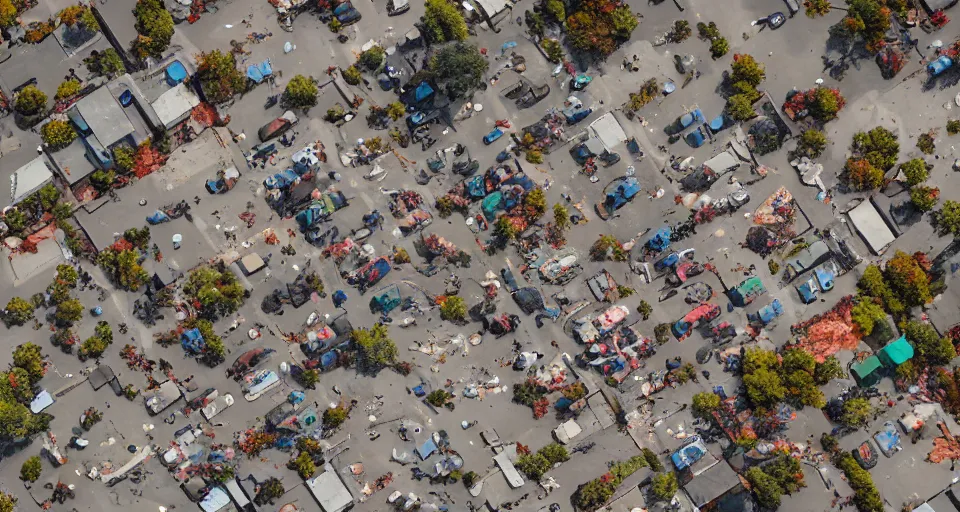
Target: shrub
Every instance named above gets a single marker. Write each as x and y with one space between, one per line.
554 453
915 171
664 486
301 92
924 198
30 101
438 397
879 147
375 348
372 58
925 143
352 75
953 127
746 69
18 312
680 32
334 417
533 465
811 144
443 22
155 28
862 175
644 309
947 219
856 412
31 469
555 9
469 478
719 47
705 403
865 314
453 309
652 460
740 107
553 49
69 311
219 76
773 266
68 89
534 156
303 465
396 110
607 247
57 134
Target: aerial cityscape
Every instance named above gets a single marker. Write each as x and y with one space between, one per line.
486 255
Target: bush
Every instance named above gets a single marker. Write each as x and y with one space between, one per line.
453 309
644 309
652 460
765 488
879 147
924 198
719 47
811 144
68 89
865 314
556 10
301 92
106 63
593 494
123 267
553 49
747 69
438 397
30 101
554 453
352 75
18 312
829 369
155 28
925 143
534 156
372 58
375 348
953 127
931 348
215 290
740 107
459 68
680 32
824 103
303 465
915 171
664 486
69 311
31 469
856 412
470 478
862 175
57 134
705 403
528 392
8 16
219 76
396 110
334 417
443 22
533 465
947 219
607 247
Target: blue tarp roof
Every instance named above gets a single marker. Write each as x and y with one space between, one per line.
176 73
688 455
808 293
825 278
767 313
423 92
427 449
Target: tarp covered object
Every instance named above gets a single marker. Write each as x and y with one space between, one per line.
689 454
529 299
192 342
767 314
888 439
867 372
386 299
747 291
257 72
896 353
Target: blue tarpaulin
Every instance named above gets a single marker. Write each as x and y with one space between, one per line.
175 73
767 313
660 240
476 187
257 72
157 217
427 449
192 341
491 204
423 91
386 299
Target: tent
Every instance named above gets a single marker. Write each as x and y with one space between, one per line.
192 341
257 72
660 240
491 204
529 299
101 376
386 299
867 372
175 73
896 352
747 291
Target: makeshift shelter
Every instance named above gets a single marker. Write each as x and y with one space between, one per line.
192 341
251 264
529 299
896 353
608 129
888 439
871 225
29 179
101 376
168 394
868 372
766 314
711 485
747 291
687 455
386 299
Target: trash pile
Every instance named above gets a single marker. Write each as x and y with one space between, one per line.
774 221
828 333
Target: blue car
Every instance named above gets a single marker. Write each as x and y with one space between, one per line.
493 136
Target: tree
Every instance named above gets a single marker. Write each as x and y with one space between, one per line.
740 107
219 76
123 268
31 469
664 486
216 290
18 312
16 386
459 68
94 347
645 310
438 397
926 143
270 490
301 92
756 358
124 156
69 311
536 202
29 357
16 220
8 502
533 465
764 387
57 134
705 403
746 69
953 126
879 146
553 49
824 103
811 144
947 219
30 101
372 58
154 28
17 421
67 275
309 378
443 22
908 280
106 63
719 47
607 247
815 8
802 390
924 198
8 13
303 465
856 412
868 19
593 494
798 360
555 9
862 175
49 195
865 314
352 75
504 229
765 488
680 32
933 350
102 181
555 453
829 369
915 171
600 26
68 89
453 309
396 110
375 347
335 416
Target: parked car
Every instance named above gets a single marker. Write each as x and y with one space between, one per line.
275 128
397 7
793 6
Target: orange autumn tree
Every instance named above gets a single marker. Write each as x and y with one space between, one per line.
908 279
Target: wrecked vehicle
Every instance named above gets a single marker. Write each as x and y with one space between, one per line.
249 359
278 126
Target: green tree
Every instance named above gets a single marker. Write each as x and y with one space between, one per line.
31 469
924 198
719 47
504 229
18 312
301 92
459 68
561 217
30 101
868 19
438 397
947 219
102 181
747 69
664 486
798 360
933 349
555 9
106 63
219 76
856 412
555 453
593 494
908 280
49 195
879 146
17 421
829 369
811 144
801 389
376 349
600 26
553 49
653 461
352 75
303 465
57 134
29 357
123 268
705 403
443 22
758 358
740 107
216 289
396 110
607 247
16 220
536 202
915 171
765 488
94 347
335 416
533 465
764 387
453 309
124 156
953 126
815 8
865 314
68 89
372 58
16 386
154 28
824 103
69 311
67 275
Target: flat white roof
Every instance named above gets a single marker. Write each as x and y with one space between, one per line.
105 117
869 223
608 130
329 491
29 178
492 7
172 105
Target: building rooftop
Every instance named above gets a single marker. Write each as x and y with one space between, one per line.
329 491
29 178
105 117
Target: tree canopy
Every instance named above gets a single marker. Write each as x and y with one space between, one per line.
459 68
155 28
443 22
599 26
219 76
301 92
375 348
214 290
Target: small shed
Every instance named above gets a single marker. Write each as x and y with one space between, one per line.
608 129
175 105
101 376
29 179
710 485
871 226
329 491
162 278
896 353
251 264
867 372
